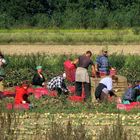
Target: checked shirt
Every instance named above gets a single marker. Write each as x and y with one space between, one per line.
57 82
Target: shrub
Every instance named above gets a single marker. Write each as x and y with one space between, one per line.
22 67
131 68
136 30
41 21
6 21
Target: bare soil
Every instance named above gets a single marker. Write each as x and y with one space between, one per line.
68 49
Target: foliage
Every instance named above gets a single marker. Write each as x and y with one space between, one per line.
60 126
69 14
136 30
22 67
131 68
116 131
77 36
10 122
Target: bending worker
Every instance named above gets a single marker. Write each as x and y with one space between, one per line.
105 88
58 83
82 76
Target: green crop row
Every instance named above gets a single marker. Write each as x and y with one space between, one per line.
21 67
106 36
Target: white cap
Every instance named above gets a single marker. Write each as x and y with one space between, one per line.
64 75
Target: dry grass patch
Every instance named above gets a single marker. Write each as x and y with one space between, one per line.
67 49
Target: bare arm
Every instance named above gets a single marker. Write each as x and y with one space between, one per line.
75 61
96 67
93 70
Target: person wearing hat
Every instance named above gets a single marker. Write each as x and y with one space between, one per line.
38 79
58 83
105 88
102 62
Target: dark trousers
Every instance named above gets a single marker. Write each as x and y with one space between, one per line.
87 89
60 92
103 97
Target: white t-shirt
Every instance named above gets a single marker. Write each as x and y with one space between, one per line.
107 81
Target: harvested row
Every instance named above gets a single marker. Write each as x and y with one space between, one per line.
68 49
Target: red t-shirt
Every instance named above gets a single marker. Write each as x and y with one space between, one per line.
20 92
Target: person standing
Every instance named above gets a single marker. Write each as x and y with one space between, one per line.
102 63
82 76
2 72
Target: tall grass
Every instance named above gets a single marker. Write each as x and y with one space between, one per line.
31 36
117 131
16 126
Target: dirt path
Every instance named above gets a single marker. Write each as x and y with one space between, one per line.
61 49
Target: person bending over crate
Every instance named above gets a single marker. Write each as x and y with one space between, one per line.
104 90
82 76
22 94
132 94
58 83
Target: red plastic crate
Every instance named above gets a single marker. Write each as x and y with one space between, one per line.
72 89
70 70
128 107
76 98
10 106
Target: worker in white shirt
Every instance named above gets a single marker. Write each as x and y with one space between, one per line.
105 88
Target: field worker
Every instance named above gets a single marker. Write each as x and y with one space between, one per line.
58 83
132 94
21 94
137 88
102 62
2 73
38 79
82 76
137 84
105 88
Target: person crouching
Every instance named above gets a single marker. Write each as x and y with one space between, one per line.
58 83
22 94
104 89
38 79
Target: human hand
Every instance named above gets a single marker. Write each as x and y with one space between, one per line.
24 102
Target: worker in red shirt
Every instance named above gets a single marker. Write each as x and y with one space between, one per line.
22 94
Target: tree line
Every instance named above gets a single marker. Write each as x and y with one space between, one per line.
69 14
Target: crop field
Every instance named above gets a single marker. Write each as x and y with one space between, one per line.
72 37
68 49
58 118
87 120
